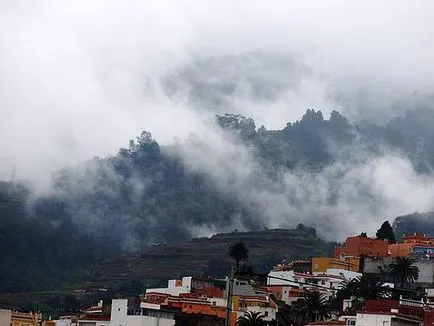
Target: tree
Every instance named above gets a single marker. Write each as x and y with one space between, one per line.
245 270
363 235
243 126
367 286
314 306
385 232
403 270
238 252
251 318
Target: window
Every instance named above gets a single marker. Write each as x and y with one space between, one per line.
266 314
386 323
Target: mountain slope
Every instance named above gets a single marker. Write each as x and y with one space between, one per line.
334 175
130 274
414 223
207 256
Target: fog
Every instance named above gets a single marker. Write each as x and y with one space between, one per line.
79 78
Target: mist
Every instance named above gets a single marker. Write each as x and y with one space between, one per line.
78 79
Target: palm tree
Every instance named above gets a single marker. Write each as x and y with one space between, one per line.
251 318
238 252
404 270
366 286
314 306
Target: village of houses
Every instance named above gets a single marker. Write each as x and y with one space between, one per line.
240 300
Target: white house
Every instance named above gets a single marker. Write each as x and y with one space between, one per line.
382 319
175 287
347 275
328 283
121 316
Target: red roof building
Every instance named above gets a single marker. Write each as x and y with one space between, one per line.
362 246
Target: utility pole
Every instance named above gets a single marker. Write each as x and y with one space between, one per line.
229 297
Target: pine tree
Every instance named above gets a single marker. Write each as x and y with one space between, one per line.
385 232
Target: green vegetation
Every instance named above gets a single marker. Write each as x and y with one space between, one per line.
251 319
312 307
148 194
238 252
403 270
118 276
367 286
204 256
385 232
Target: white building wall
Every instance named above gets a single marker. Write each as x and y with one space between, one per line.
63 322
302 281
288 277
119 312
218 302
120 317
147 321
241 288
5 317
147 305
373 320
285 295
349 320
174 290
348 275
93 322
426 271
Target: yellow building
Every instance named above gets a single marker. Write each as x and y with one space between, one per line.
241 304
321 264
14 318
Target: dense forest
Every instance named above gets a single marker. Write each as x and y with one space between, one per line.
149 193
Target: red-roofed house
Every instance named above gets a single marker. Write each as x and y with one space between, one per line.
362 246
389 312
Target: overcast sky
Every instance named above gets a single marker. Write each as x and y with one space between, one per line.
75 75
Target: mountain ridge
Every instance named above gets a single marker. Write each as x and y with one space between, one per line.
315 171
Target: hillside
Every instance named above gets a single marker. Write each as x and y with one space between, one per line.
329 173
414 223
130 274
206 256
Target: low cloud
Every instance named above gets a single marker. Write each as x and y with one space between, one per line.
357 192
79 78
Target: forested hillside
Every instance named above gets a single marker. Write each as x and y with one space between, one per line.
247 178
